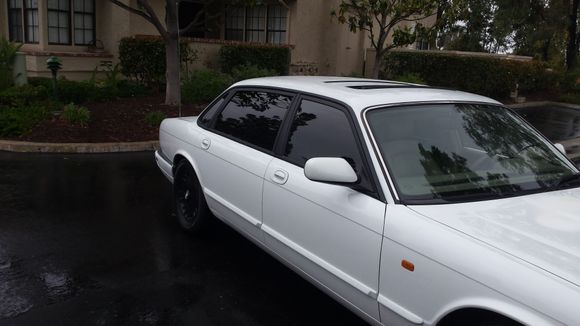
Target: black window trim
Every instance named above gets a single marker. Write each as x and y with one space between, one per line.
283 140
287 124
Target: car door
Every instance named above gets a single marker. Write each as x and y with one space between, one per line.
237 146
331 232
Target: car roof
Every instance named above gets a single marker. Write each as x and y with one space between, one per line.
360 93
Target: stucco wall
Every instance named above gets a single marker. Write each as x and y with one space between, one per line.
321 41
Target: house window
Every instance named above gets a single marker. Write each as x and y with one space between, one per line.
257 24
422 44
84 22
277 17
192 13
23 20
235 18
59 22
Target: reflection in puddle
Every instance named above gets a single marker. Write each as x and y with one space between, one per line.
57 284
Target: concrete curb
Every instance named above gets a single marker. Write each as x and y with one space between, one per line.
31 147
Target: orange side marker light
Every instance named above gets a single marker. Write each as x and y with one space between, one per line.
408 265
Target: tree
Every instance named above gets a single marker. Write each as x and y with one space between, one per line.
572 48
380 18
169 32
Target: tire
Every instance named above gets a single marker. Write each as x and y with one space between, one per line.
190 205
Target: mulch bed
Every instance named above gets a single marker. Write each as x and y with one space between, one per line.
122 120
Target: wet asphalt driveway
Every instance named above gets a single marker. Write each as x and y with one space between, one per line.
90 240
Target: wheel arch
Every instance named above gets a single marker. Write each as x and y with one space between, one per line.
181 155
510 314
466 315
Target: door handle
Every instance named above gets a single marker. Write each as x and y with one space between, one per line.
205 143
280 177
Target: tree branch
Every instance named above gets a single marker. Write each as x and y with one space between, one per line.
133 10
154 18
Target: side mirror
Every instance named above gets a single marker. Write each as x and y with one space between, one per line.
561 148
330 170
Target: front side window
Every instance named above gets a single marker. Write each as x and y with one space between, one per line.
23 21
441 153
254 117
263 24
59 22
320 130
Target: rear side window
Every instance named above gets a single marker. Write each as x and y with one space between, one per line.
254 117
210 112
320 130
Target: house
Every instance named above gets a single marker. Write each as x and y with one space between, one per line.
82 33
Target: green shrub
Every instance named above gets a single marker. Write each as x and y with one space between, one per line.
410 78
128 88
571 81
143 59
19 120
482 75
75 91
271 57
40 81
76 115
8 52
573 98
23 95
84 91
204 86
248 71
154 118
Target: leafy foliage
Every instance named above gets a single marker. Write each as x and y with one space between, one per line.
154 118
16 121
8 52
76 115
205 85
380 18
270 57
143 59
487 76
23 95
412 78
248 71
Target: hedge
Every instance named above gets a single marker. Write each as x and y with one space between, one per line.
271 57
482 75
143 59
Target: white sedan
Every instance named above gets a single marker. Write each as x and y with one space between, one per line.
408 204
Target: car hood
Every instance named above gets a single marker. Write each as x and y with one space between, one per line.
541 229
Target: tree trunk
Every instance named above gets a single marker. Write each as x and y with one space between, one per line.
572 48
173 83
172 57
378 64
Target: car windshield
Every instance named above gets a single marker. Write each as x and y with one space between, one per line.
440 153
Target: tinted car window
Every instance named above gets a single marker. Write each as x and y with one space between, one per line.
210 112
319 130
254 117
